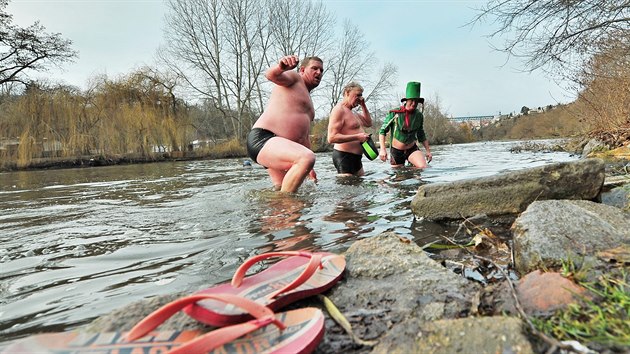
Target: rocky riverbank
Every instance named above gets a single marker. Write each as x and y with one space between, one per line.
532 225
530 241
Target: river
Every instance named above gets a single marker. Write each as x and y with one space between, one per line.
78 243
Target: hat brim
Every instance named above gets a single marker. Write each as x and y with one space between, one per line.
421 99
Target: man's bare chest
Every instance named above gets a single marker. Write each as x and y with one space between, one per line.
351 121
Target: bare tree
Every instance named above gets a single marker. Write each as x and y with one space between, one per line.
303 28
352 60
197 50
221 48
586 43
193 45
247 44
158 90
383 84
23 50
558 34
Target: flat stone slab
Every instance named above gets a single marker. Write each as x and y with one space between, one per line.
509 193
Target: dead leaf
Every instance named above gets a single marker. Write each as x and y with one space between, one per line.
404 240
619 254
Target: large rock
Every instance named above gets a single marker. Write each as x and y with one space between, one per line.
618 197
479 335
391 288
509 193
552 231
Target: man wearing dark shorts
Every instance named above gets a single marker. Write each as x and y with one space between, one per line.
345 130
346 162
280 137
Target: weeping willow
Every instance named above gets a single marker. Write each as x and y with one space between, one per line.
133 116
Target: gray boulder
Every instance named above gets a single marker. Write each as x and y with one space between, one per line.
618 197
391 288
510 193
555 230
479 335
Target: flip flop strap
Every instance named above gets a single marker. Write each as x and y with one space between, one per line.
160 315
313 264
221 336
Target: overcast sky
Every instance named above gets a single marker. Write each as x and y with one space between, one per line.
427 39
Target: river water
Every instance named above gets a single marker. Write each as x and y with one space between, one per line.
78 243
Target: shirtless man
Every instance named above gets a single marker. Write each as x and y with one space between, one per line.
279 139
345 130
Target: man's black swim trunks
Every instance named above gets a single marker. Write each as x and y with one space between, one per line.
346 162
256 140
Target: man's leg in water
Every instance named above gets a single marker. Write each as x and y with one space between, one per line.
280 155
277 176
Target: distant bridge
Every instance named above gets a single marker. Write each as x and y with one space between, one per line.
471 118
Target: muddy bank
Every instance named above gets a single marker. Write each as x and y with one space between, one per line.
98 161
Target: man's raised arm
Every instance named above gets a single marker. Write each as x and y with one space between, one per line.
281 74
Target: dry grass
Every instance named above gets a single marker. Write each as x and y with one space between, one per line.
604 103
230 148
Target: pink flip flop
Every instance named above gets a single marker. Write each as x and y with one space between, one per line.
296 331
300 275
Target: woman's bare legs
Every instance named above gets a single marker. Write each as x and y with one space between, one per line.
417 159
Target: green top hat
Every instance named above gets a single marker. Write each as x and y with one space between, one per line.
413 92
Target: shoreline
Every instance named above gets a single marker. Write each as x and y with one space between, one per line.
46 163
100 161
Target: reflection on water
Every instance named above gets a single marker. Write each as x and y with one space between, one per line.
280 218
79 243
279 211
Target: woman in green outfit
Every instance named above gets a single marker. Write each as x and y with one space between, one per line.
406 126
